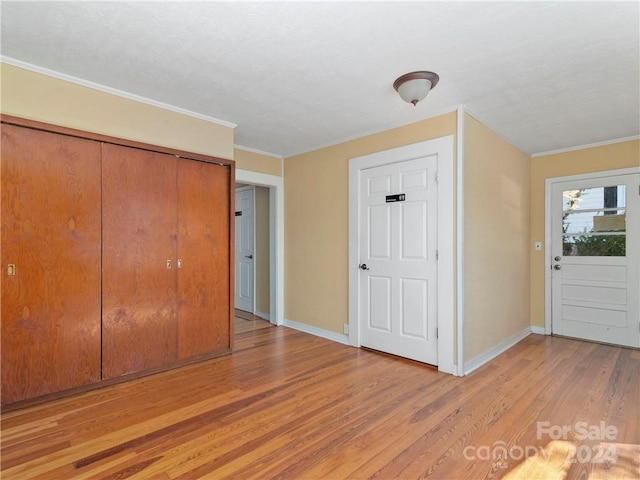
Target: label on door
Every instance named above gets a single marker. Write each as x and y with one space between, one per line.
395 198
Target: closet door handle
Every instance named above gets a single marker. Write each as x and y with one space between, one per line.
168 264
179 263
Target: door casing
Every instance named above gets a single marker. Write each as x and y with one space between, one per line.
444 148
276 237
548 187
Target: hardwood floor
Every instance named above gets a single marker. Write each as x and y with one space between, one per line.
286 404
247 322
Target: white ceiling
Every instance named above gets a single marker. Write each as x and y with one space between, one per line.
295 76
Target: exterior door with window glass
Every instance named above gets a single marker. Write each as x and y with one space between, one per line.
595 259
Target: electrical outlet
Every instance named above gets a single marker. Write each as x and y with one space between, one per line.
345 328
537 246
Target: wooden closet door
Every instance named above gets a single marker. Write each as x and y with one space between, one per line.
139 318
203 248
51 232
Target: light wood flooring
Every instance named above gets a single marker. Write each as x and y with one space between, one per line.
247 322
290 405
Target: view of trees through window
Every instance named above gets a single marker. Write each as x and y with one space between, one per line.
594 221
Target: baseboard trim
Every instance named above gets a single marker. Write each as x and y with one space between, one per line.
538 330
493 352
318 332
264 316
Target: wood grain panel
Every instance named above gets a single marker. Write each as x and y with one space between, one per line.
51 231
203 247
139 236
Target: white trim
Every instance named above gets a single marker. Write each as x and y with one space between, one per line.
443 147
588 145
493 352
538 330
276 237
547 256
263 315
548 185
318 332
357 136
550 152
254 250
259 152
112 91
460 239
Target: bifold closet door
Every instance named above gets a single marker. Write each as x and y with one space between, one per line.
203 250
50 262
139 239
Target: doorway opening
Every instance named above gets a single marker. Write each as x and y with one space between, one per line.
266 249
385 299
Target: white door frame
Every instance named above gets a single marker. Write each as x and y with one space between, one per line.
443 147
276 237
253 244
548 186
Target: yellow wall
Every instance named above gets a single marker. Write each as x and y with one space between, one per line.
256 162
316 221
496 230
596 159
262 250
39 97
498 236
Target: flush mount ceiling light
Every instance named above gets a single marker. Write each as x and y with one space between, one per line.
414 86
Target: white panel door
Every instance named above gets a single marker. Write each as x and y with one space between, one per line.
398 270
595 259
244 248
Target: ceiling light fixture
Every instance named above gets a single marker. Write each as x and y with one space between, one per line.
414 86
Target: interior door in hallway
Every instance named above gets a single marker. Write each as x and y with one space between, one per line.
244 248
595 259
398 269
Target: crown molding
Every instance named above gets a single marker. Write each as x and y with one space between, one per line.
113 91
259 152
358 136
589 145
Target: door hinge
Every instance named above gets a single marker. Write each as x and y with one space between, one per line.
437 255
437 332
436 177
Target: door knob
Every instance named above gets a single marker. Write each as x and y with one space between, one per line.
248 256
557 258
557 267
363 266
